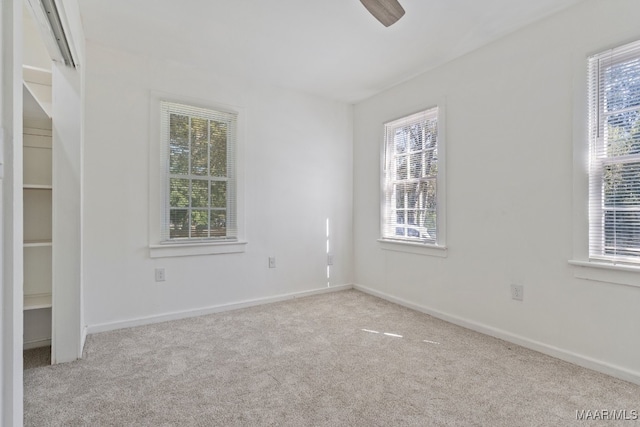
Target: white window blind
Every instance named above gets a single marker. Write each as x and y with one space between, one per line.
199 170
410 178
614 155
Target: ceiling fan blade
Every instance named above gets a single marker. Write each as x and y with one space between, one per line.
385 11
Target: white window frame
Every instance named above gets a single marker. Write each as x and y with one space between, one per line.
598 158
587 265
422 246
159 245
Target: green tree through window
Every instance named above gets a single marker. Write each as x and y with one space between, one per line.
614 199
410 178
201 199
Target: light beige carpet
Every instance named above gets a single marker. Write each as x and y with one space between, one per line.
318 361
36 357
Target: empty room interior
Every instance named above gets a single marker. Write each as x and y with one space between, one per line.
371 212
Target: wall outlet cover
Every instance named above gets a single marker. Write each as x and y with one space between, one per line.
517 292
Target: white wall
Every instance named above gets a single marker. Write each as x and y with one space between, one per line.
35 52
298 165
510 126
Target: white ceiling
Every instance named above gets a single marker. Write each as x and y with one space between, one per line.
332 48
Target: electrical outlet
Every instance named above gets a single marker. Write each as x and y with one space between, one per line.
517 292
329 259
272 262
160 276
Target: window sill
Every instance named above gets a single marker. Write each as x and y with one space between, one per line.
621 274
191 249
413 248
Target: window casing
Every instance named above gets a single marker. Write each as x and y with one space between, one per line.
614 155
411 178
198 159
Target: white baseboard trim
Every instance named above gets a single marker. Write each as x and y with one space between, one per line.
28 345
83 340
559 353
105 327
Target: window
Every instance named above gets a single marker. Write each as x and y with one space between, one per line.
614 155
198 157
412 175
